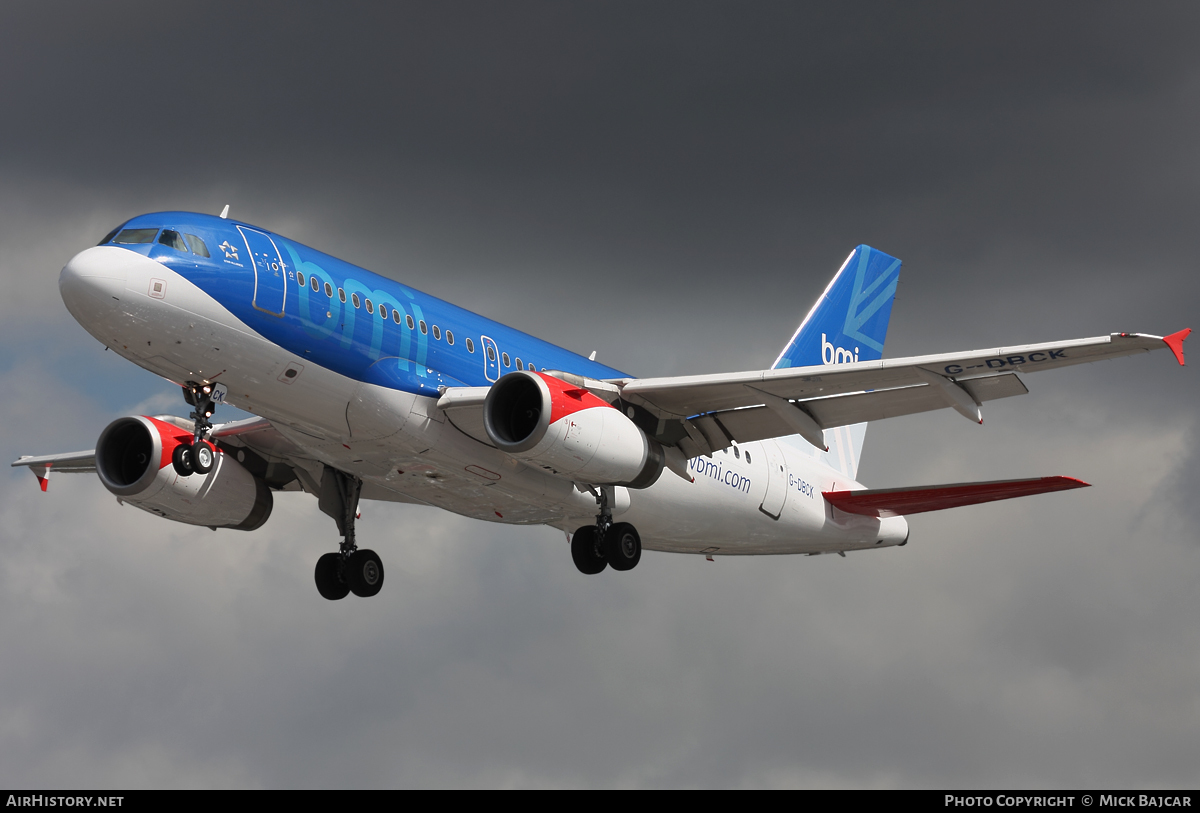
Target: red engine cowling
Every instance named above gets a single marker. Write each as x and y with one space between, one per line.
133 459
567 430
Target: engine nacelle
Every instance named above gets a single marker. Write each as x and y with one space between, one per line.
568 431
133 459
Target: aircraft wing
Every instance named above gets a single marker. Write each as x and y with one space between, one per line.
714 410
67 463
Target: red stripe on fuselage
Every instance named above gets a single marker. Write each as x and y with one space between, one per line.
567 399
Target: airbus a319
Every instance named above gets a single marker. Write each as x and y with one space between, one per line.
366 388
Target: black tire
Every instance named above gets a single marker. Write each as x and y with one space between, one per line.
588 555
329 577
203 457
181 459
623 546
364 573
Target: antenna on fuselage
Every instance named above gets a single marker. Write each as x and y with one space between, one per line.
225 212
592 357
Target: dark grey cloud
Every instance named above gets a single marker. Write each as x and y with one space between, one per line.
670 184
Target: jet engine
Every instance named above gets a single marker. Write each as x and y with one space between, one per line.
133 459
565 429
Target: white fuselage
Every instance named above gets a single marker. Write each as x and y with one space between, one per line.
763 498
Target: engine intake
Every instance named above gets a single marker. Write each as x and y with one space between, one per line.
133 461
567 430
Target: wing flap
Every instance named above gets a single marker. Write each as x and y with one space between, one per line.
893 502
760 423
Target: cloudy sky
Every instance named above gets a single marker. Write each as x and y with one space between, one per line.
670 184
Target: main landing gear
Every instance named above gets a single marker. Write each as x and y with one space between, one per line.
199 456
605 544
349 570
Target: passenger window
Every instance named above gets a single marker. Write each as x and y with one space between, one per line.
370 307
747 455
437 333
520 366
408 321
491 354
395 316
354 299
197 245
329 290
449 337
424 327
132 236
383 311
341 294
470 346
300 278
316 284
504 356
736 453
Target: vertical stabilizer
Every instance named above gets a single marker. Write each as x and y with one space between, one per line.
847 324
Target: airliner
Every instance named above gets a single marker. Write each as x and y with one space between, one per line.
364 388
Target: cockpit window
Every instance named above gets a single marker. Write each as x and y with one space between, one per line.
109 236
172 239
197 245
136 236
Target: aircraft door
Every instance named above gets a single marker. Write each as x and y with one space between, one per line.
777 479
270 273
491 359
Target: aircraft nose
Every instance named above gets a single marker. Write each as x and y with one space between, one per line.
92 280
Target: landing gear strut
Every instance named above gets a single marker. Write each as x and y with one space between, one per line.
197 458
595 547
350 570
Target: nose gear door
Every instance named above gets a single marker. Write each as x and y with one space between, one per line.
491 359
270 273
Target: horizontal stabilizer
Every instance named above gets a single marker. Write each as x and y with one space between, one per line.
894 502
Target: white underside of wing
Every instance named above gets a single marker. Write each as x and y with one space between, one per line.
67 462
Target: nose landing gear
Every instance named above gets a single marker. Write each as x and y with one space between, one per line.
605 544
350 570
198 456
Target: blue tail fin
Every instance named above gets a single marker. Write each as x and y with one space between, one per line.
847 324
850 320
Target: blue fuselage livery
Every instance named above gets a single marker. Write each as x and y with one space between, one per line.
345 318
361 388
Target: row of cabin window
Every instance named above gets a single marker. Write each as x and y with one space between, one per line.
736 453
316 286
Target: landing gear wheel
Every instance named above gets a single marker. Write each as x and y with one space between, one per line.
181 459
364 573
329 578
623 546
202 457
587 553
